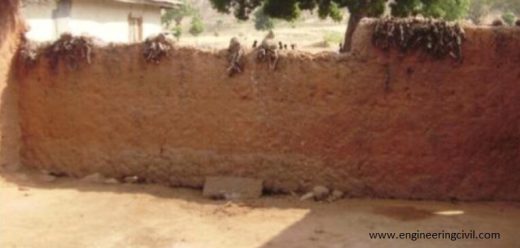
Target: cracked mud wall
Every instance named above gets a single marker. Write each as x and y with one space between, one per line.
373 124
10 28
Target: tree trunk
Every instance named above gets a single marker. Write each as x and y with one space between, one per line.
353 23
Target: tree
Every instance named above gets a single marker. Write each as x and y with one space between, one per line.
512 6
290 10
444 9
197 27
177 32
177 14
479 8
509 18
263 21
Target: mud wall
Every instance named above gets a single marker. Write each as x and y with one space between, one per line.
10 27
372 124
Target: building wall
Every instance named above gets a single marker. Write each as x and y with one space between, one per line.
105 19
374 124
109 20
42 27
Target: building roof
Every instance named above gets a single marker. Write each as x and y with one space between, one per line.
158 3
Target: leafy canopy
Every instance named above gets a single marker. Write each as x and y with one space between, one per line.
509 18
197 26
449 10
291 9
480 8
177 14
262 21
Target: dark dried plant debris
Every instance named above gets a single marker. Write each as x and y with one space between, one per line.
71 49
497 23
434 37
157 47
267 51
235 57
28 52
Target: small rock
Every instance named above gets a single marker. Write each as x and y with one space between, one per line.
320 193
131 179
336 195
231 196
94 178
57 174
22 177
22 189
47 178
307 196
111 181
231 188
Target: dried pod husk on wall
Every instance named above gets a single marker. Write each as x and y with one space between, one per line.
436 38
156 48
267 53
72 50
235 57
28 52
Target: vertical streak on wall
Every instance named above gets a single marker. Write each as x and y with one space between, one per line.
9 121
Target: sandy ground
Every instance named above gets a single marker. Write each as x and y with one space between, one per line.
74 213
308 38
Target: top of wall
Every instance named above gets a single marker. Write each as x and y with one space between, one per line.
490 46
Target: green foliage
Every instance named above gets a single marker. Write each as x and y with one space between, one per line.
479 8
333 37
290 9
449 10
335 12
241 8
509 18
506 5
197 26
330 9
262 21
177 14
177 32
287 10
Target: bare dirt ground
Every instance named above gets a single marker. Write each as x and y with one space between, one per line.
314 37
73 213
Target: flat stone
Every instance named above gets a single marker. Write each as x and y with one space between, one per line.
131 179
47 178
94 178
320 193
336 195
231 188
111 181
307 196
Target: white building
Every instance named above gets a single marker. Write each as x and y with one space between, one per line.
109 20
